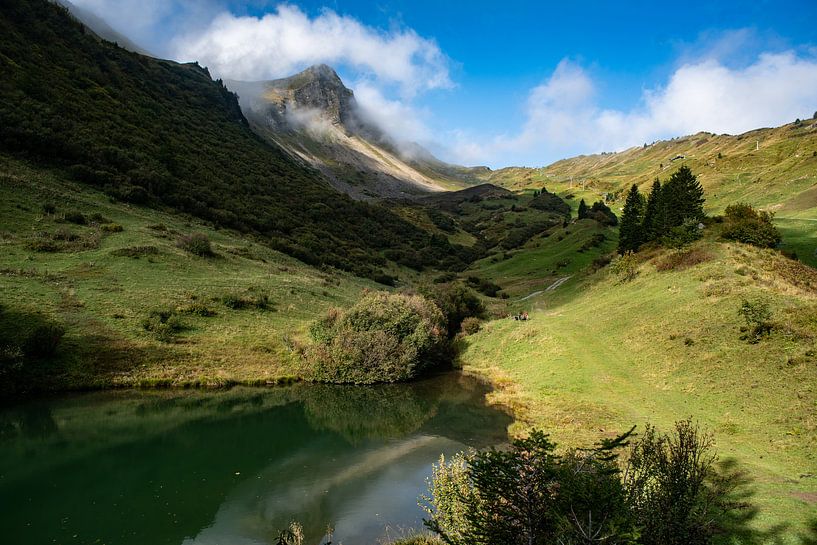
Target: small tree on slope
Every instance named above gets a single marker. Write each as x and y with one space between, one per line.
631 232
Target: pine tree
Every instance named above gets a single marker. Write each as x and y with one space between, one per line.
682 198
630 233
651 224
582 209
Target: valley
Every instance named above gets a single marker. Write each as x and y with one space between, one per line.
204 257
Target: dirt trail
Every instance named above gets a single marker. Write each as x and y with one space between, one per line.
552 287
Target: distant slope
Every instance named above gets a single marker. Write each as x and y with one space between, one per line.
775 169
315 118
159 133
101 28
781 174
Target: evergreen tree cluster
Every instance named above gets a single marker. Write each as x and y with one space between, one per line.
599 212
670 212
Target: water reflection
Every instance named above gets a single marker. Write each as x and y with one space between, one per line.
231 467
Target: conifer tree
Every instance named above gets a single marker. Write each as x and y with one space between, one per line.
582 209
682 198
651 224
630 233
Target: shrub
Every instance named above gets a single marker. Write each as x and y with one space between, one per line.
197 309
593 242
758 319
625 267
683 259
197 244
111 228
164 324
135 251
675 489
486 287
42 340
456 301
76 217
471 325
682 235
528 494
236 301
383 338
743 223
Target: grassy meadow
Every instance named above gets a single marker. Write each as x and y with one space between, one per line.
102 285
600 355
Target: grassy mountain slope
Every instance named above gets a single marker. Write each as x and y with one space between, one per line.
599 356
780 176
103 285
155 132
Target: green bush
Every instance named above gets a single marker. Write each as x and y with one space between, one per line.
164 324
236 301
625 267
471 325
76 217
383 338
197 309
758 320
111 228
743 223
529 494
197 244
677 492
682 235
456 301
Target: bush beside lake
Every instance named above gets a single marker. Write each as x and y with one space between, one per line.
382 338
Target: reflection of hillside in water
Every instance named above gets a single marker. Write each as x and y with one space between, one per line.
162 467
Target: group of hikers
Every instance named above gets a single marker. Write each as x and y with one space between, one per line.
523 316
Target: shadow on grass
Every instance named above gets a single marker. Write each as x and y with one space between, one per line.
40 354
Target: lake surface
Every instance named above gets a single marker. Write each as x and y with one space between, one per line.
232 467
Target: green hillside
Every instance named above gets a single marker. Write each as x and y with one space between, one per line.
599 355
158 133
101 285
773 169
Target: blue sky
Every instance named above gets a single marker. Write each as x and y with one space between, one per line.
512 82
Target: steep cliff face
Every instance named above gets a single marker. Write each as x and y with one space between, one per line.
315 117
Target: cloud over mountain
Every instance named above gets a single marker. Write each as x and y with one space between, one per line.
286 40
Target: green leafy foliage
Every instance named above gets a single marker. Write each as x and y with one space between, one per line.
197 244
165 325
671 490
677 492
550 202
383 338
602 214
529 495
758 317
625 266
456 301
743 223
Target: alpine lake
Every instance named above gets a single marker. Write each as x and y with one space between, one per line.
234 467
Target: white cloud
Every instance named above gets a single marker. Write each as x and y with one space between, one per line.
399 119
287 40
563 116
